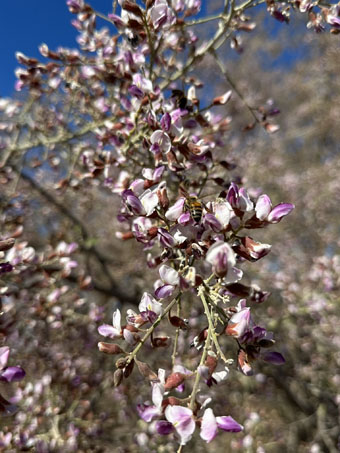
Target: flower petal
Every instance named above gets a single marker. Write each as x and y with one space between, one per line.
108 331
208 426
169 275
263 207
273 357
227 423
4 354
12 374
280 211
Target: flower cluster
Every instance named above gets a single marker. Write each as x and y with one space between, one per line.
138 127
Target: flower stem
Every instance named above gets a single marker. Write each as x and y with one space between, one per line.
150 330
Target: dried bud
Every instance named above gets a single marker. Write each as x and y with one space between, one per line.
128 369
117 377
7 244
122 362
149 3
250 249
152 232
146 371
178 322
163 198
110 348
211 362
174 380
161 342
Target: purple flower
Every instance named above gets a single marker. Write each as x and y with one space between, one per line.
147 412
162 139
210 221
166 122
165 238
75 6
133 202
239 198
210 425
150 305
12 373
149 200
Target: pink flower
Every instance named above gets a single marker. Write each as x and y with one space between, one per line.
265 212
182 420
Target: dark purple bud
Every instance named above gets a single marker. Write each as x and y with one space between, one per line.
164 428
5 267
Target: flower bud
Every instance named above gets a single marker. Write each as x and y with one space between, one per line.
174 380
128 369
146 371
160 342
110 348
178 322
117 377
121 363
6 244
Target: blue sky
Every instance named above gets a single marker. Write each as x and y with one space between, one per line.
25 24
